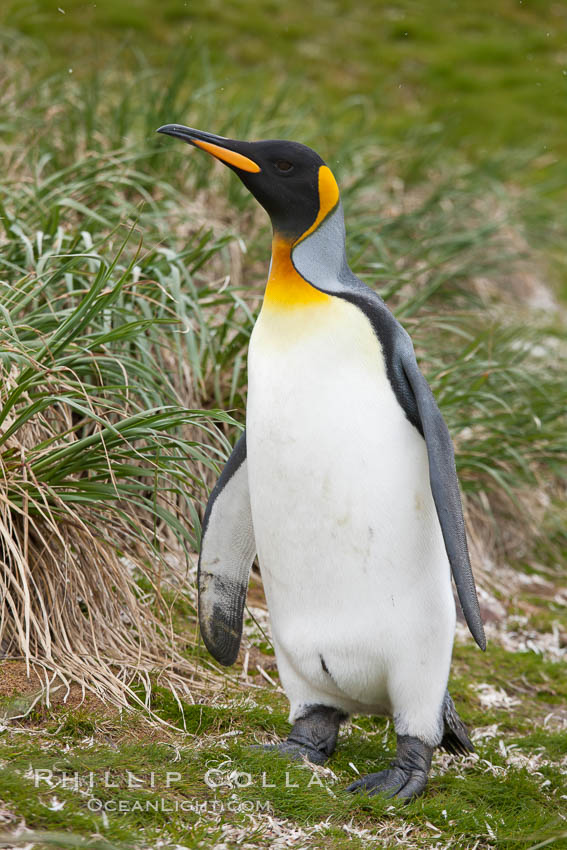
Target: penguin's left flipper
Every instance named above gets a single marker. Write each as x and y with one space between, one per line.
422 406
228 549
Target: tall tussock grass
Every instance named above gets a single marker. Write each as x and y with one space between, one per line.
126 304
102 473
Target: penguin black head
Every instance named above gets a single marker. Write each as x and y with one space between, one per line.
288 179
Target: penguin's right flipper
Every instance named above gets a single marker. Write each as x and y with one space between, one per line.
228 549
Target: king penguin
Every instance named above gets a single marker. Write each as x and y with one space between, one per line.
344 486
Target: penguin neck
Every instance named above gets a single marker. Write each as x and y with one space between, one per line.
304 272
286 288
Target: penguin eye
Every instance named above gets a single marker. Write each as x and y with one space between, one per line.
283 165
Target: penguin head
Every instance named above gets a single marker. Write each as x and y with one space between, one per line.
288 179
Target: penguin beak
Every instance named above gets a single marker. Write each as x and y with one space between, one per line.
229 151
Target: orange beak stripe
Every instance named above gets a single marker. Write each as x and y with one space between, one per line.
230 157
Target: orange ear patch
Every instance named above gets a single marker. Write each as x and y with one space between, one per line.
230 157
328 198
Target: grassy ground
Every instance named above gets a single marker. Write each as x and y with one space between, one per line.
87 771
445 127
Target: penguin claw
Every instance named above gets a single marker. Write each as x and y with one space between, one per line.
387 782
295 751
313 735
393 782
406 777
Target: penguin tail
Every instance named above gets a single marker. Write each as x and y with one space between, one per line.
455 735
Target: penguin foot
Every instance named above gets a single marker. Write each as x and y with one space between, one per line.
406 777
297 751
314 735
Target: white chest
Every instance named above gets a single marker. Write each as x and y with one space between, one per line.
318 383
346 530
329 447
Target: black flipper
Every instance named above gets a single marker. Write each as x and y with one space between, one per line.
228 549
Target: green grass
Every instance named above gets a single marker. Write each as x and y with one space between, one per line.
491 792
479 76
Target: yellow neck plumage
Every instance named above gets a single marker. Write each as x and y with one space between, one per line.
286 288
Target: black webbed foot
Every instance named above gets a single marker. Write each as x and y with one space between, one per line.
297 751
406 777
314 735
